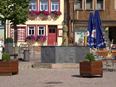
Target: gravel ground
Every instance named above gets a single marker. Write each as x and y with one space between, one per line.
35 77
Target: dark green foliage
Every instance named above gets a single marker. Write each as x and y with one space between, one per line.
16 11
8 40
5 56
90 57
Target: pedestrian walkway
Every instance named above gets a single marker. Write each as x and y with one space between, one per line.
42 77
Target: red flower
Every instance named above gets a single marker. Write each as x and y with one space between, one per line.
46 13
58 13
41 38
34 12
30 38
37 12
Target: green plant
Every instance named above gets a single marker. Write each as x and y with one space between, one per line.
5 56
90 57
9 40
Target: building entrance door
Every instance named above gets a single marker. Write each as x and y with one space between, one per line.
112 34
52 35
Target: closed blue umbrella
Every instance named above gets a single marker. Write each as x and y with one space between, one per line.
91 38
100 42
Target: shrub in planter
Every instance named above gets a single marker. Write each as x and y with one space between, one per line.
89 57
5 56
91 67
7 65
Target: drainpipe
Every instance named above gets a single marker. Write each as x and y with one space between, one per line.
71 21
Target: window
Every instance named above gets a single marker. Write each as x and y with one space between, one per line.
21 34
80 36
54 5
89 4
31 30
32 5
78 4
41 31
99 4
52 30
43 5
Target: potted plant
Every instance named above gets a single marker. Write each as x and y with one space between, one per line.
43 15
7 65
41 39
30 39
55 14
91 67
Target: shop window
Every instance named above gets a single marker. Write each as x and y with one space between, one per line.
81 36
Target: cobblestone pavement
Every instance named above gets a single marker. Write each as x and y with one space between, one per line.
35 77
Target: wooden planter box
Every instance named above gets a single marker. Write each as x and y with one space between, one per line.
93 68
114 52
9 67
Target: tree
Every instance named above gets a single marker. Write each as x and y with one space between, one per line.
65 37
16 11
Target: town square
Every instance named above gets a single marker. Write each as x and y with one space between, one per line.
57 43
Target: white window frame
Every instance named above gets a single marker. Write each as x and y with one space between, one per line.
89 8
31 30
103 8
56 5
32 5
40 30
44 4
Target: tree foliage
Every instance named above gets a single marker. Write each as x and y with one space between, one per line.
16 11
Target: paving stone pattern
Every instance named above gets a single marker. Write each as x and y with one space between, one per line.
40 77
